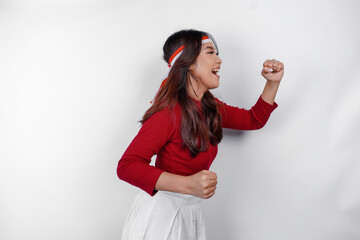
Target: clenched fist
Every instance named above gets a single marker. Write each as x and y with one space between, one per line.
202 184
273 70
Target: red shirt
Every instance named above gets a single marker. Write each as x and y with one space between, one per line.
160 135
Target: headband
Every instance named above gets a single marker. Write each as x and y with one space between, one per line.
177 54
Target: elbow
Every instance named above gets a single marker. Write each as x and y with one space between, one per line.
121 169
256 125
257 122
126 168
259 127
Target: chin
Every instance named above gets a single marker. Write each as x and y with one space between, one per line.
214 86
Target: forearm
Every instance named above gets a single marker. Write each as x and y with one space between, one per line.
269 92
171 182
201 184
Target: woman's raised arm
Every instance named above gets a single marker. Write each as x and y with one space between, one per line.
273 72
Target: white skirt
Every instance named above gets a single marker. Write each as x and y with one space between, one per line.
165 216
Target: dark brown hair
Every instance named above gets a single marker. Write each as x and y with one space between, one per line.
198 128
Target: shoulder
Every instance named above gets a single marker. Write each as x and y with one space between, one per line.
221 105
159 116
166 117
218 101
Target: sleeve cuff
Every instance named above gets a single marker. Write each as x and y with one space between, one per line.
267 105
151 187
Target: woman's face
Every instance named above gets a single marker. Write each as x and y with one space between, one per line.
205 70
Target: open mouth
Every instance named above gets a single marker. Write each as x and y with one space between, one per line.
215 71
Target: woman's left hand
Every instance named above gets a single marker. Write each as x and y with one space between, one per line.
273 70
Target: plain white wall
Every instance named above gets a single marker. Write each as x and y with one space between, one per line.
76 76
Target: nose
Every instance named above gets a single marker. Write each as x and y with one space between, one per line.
218 60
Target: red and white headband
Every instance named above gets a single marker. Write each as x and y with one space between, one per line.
178 52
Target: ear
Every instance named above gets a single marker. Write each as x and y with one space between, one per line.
192 67
191 77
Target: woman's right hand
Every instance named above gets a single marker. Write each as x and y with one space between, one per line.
202 184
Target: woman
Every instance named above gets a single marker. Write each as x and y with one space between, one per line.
183 127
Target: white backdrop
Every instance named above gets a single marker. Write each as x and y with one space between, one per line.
76 76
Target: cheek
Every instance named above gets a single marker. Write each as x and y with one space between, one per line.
203 69
199 71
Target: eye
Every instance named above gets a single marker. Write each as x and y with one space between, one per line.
211 52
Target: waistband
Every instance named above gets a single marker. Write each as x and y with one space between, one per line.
183 199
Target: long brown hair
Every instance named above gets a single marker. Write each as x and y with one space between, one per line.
198 128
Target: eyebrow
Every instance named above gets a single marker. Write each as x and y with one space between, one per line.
211 48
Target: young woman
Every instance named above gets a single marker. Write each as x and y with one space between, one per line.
183 128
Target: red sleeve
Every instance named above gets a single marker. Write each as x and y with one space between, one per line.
242 119
134 165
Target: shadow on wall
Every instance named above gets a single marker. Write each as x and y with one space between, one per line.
233 134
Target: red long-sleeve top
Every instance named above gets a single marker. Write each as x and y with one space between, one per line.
160 135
